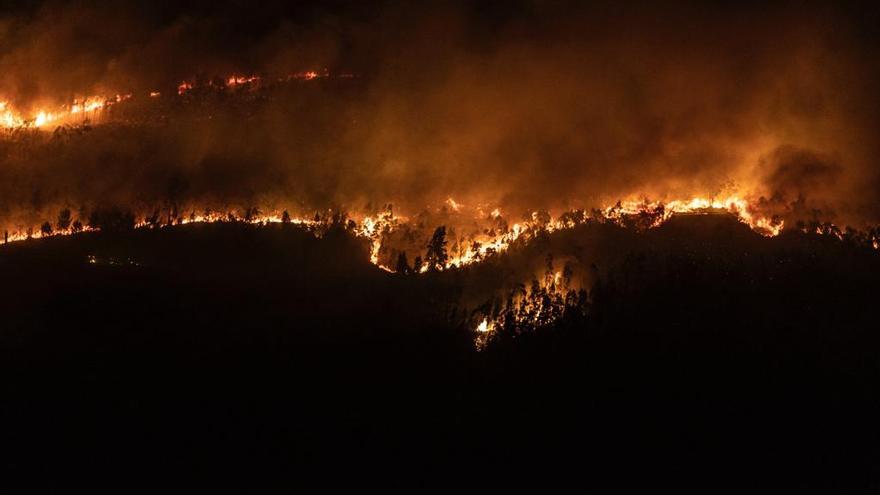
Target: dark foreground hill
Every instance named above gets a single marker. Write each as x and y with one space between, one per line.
238 356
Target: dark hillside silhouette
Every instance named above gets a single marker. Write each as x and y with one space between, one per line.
682 357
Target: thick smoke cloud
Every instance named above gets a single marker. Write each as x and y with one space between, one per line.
522 105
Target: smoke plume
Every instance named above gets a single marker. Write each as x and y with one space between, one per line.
518 105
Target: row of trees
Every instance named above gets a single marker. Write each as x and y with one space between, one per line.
436 255
546 301
115 219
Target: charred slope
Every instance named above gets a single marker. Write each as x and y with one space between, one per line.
709 358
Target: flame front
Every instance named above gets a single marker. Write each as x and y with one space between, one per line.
546 300
89 107
80 109
639 214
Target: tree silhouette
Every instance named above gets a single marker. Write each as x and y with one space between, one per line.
172 214
436 256
64 219
46 228
402 264
285 217
153 220
251 214
112 219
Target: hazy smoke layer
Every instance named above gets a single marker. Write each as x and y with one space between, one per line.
514 104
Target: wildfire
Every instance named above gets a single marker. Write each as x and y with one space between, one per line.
90 106
546 300
484 326
374 228
310 75
84 108
492 233
483 333
537 304
736 206
453 204
42 233
253 81
239 80
641 215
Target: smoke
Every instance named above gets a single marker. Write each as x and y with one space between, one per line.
521 105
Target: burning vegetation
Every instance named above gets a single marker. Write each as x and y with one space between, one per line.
440 239
91 109
465 238
443 133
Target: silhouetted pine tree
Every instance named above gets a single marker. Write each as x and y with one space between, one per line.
402 264
436 256
64 219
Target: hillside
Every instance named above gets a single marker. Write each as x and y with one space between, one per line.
703 350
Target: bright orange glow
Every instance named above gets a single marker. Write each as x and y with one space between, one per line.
737 206
79 109
483 332
184 87
239 80
453 204
90 106
641 215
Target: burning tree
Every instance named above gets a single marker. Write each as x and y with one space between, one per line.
545 302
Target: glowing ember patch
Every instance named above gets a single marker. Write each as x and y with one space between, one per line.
239 80
309 75
484 332
456 206
484 326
